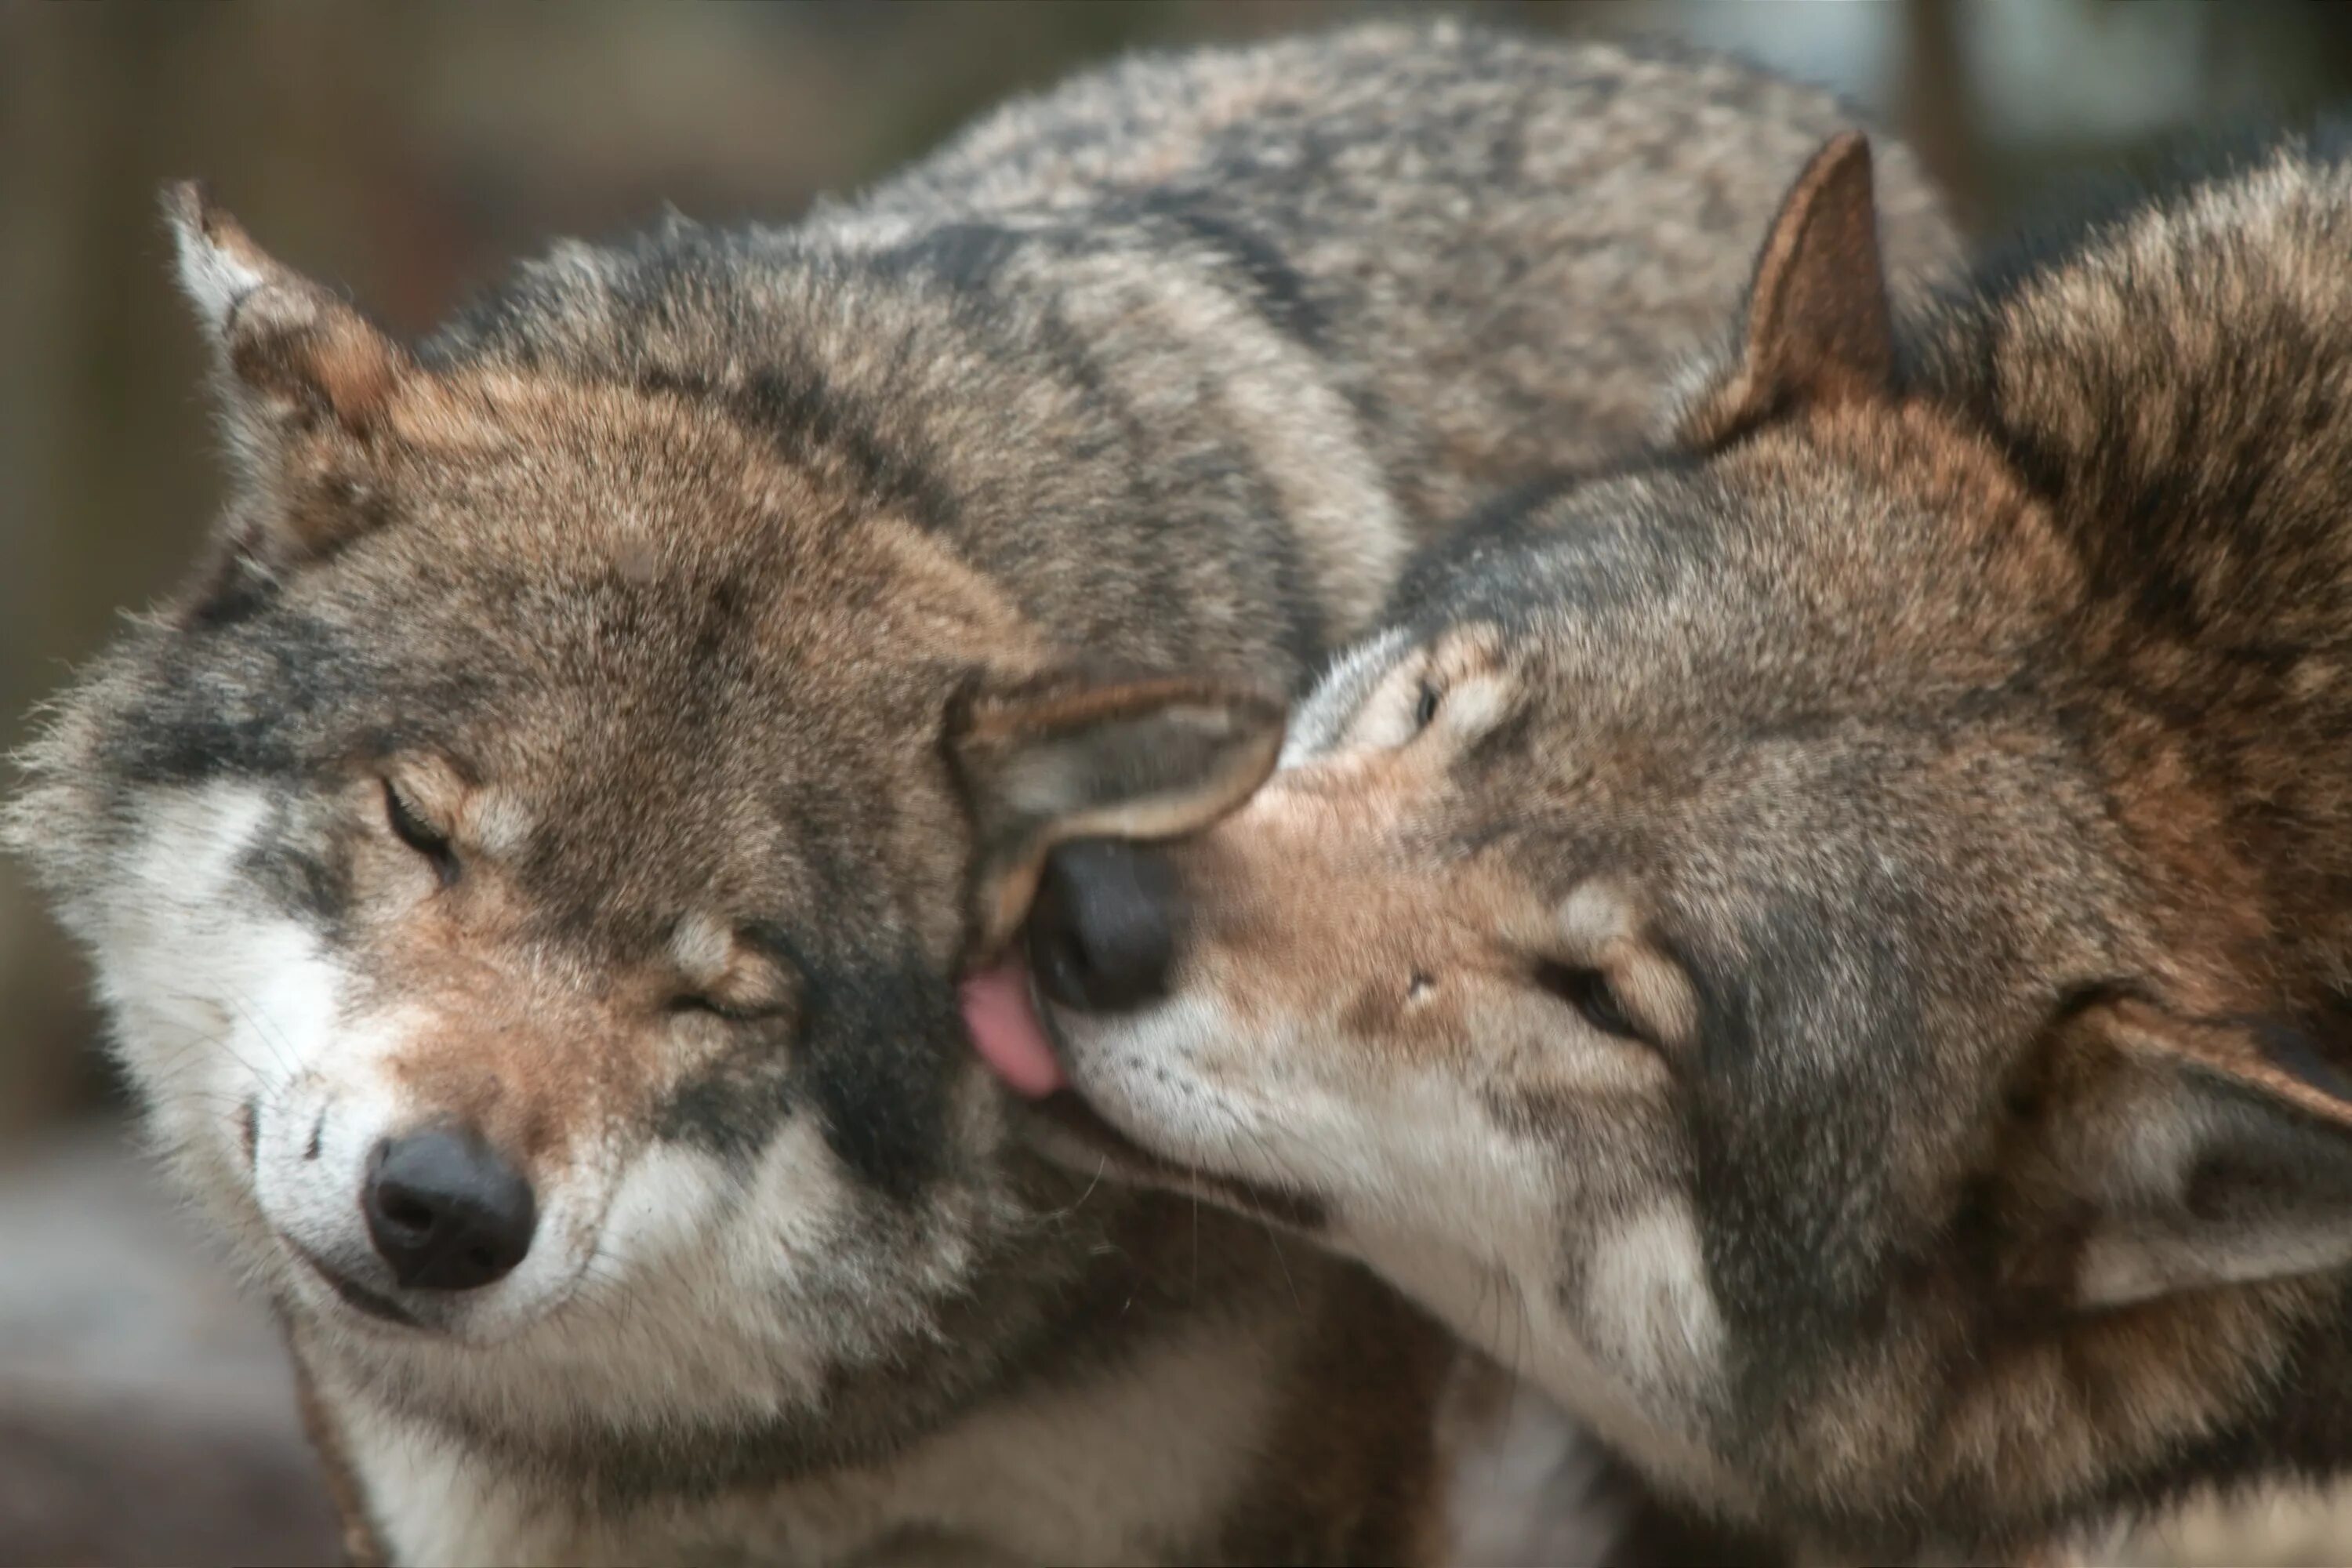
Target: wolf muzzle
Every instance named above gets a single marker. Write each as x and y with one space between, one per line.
446 1210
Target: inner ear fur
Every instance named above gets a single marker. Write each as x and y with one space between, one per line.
305 384
288 343
1818 328
2177 1153
1074 753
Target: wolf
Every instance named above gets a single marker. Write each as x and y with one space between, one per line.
530 865
1831 946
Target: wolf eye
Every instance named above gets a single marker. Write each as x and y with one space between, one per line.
412 831
1588 992
1424 709
712 1008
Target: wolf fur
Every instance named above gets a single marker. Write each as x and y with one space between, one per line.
586 723
1829 949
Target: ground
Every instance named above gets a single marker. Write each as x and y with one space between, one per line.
146 1412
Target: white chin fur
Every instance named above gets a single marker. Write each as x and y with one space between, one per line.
1421 1182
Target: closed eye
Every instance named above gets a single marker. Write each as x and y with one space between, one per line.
418 835
1406 703
1593 996
1426 707
695 1002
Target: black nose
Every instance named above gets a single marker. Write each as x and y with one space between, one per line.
446 1211
1102 934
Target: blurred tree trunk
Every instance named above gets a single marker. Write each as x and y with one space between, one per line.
78 87
1934 107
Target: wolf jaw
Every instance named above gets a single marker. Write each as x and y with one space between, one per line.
1828 950
577 746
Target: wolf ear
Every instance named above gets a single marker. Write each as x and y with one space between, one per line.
1818 328
304 379
1066 756
2194 1154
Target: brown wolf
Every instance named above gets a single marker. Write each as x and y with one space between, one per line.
530 865
1832 949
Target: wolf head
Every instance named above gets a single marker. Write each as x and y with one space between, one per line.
1779 943
530 870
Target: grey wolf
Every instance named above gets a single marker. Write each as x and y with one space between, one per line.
1829 948
530 864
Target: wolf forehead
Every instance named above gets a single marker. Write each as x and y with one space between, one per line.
1789 715
621 698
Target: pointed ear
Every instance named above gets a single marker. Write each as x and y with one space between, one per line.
1068 755
1818 328
305 381
2192 1154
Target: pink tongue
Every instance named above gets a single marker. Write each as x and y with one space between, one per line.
1004 1025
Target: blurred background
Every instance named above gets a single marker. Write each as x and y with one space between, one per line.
407 153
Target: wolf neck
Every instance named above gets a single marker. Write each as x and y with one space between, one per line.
2178 387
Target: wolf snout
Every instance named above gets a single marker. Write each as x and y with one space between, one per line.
446 1210
1103 931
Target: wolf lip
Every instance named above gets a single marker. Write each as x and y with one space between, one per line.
374 1305
357 1297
